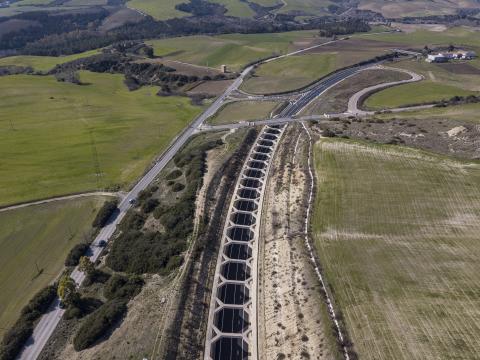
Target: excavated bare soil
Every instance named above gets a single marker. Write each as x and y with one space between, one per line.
460 139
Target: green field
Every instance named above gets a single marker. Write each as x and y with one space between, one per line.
40 235
233 50
43 63
310 7
457 36
243 111
396 231
289 73
467 112
159 9
236 8
58 138
413 93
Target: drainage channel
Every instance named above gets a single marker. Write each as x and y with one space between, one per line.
232 321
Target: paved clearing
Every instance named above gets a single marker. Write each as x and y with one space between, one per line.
397 231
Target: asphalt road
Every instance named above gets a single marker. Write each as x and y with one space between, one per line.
50 320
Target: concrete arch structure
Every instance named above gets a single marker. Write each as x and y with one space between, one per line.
232 322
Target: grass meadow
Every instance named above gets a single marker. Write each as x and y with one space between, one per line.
43 63
413 93
290 73
58 138
233 50
39 235
396 230
159 9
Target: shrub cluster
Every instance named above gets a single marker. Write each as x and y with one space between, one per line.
118 290
136 251
75 254
97 323
107 210
14 339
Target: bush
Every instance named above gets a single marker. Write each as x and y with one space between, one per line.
15 338
98 323
82 307
107 210
75 254
174 174
178 187
149 205
121 287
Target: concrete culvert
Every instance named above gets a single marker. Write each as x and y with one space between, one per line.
248 194
245 205
233 294
240 233
238 251
230 348
245 219
231 320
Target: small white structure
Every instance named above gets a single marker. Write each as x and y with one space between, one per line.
446 56
436 58
223 68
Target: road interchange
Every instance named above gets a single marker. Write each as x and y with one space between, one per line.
48 322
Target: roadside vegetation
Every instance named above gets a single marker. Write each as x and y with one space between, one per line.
396 232
35 242
243 111
60 138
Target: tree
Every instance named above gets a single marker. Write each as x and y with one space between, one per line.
86 265
67 290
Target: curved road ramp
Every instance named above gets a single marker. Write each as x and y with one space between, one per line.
232 321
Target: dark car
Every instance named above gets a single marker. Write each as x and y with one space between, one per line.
102 243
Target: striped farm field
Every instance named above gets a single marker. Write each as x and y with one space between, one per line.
397 233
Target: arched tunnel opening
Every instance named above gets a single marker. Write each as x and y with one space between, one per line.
266 142
272 131
231 320
263 149
238 233
238 251
230 348
251 183
233 294
238 271
253 173
245 205
245 219
257 165
248 194
269 137
261 157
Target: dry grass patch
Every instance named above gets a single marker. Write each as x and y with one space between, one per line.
397 233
